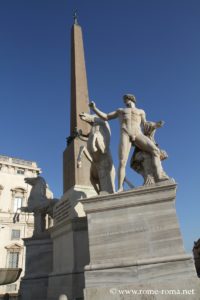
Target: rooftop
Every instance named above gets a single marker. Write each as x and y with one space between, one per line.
18 161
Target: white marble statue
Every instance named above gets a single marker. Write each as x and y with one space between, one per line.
132 124
98 153
141 161
38 203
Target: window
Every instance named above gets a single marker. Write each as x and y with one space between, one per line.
18 196
20 171
15 234
17 204
13 255
13 259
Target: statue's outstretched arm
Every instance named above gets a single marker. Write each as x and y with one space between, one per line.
153 125
101 114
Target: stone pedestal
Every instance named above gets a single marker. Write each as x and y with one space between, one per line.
70 202
135 246
70 255
34 284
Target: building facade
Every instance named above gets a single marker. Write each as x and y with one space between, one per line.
14 193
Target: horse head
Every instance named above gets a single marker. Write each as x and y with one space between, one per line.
31 180
38 191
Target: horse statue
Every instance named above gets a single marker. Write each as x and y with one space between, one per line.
98 153
38 203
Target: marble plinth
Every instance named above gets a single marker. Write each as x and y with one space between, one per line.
69 206
135 243
39 258
70 255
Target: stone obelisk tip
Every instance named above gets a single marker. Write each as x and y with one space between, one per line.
75 17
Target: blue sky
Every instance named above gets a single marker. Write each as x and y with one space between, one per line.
146 47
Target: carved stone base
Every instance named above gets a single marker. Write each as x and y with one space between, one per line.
71 254
70 206
135 244
39 258
175 289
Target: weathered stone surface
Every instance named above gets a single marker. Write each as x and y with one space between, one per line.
79 102
39 259
79 86
135 242
70 206
70 255
176 289
72 175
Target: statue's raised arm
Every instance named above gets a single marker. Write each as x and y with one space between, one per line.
102 115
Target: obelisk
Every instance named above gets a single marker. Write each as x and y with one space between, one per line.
77 179
79 86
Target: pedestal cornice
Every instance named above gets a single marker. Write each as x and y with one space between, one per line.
144 195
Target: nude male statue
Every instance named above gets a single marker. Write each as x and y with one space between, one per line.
131 120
